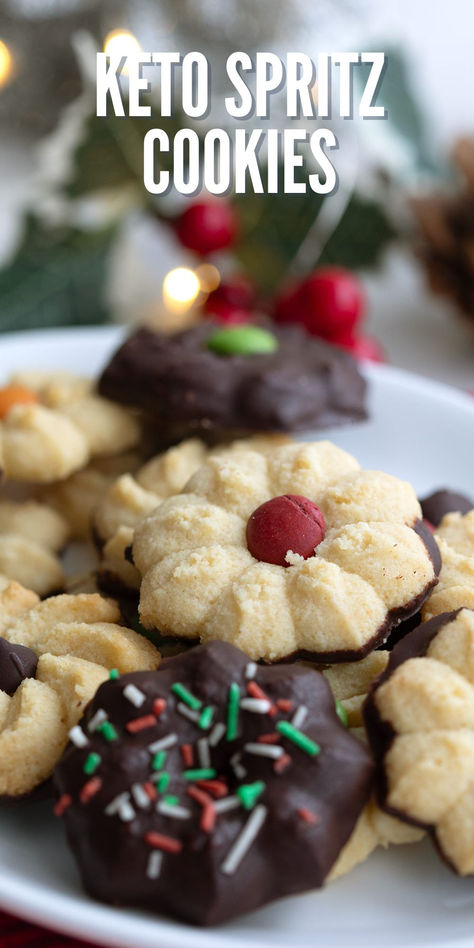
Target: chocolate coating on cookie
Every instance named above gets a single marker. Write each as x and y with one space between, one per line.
442 502
187 388
16 663
213 787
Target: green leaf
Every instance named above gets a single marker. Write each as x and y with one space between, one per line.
56 278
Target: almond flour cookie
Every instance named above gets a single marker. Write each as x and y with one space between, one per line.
455 539
420 721
213 787
331 599
129 499
60 428
31 536
53 656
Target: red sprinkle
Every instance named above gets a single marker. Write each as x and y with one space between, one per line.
284 704
159 706
196 794
308 816
208 819
217 787
150 790
139 724
282 763
90 789
62 804
269 738
166 843
187 754
255 691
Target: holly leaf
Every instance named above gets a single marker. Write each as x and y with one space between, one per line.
56 278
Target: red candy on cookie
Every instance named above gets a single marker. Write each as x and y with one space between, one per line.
289 522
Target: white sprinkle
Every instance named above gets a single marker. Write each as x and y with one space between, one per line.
99 717
217 733
169 809
140 796
77 736
299 716
257 705
134 695
240 772
265 750
228 803
244 840
121 805
187 712
203 753
126 812
153 868
251 670
163 743
115 804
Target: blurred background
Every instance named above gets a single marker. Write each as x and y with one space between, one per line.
81 241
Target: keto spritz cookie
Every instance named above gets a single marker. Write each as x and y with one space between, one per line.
297 552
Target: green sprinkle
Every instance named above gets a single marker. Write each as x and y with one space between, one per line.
342 713
297 737
171 800
108 731
206 717
186 696
162 783
205 773
91 763
158 761
114 673
248 793
242 340
233 711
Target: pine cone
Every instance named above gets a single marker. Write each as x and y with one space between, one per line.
446 226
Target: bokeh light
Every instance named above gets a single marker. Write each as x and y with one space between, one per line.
6 64
121 43
181 288
208 276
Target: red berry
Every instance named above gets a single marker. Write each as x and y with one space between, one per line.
237 291
227 314
329 303
207 226
285 523
364 347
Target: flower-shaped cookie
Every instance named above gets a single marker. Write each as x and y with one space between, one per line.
53 423
31 535
455 538
68 644
131 498
420 721
200 579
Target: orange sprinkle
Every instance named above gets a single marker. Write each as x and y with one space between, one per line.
308 816
208 819
187 754
15 395
167 843
90 789
159 706
284 704
139 724
217 787
62 804
272 738
282 763
200 796
150 790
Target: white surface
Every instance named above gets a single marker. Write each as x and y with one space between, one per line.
404 897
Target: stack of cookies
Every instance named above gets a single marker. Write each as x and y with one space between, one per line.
316 695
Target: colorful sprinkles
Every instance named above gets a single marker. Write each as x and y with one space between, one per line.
208 789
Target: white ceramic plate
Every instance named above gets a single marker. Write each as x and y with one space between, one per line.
404 897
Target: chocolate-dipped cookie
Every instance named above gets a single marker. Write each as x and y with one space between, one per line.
298 552
210 787
187 386
435 506
420 722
